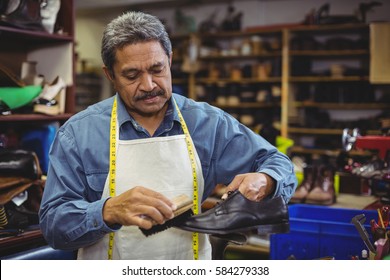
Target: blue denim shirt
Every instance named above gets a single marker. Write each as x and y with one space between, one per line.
71 209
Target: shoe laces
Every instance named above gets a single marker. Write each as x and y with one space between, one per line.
229 193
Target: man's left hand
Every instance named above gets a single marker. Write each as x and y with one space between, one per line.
254 186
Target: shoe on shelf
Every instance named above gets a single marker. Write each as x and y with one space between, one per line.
237 214
370 169
323 192
56 90
4 109
309 176
47 107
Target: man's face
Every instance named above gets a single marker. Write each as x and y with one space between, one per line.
142 77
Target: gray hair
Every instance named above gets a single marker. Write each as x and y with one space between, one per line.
132 28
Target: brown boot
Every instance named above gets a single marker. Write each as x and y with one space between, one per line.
309 175
323 191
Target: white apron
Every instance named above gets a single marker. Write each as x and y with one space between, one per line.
163 165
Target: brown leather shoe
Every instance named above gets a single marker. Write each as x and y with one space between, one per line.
238 214
323 190
309 176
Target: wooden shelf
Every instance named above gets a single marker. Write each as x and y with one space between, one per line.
327 79
241 81
252 56
17 34
330 53
343 106
227 34
338 28
312 151
319 131
236 34
21 242
323 131
328 152
247 105
34 118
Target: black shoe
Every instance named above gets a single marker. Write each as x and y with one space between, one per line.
237 214
4 109
48 107
19 163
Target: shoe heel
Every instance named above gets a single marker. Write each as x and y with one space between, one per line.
276 228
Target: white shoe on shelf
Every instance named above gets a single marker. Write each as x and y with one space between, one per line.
56 90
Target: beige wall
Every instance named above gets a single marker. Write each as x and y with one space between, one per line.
88 36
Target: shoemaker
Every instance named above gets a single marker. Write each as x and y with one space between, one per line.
115 167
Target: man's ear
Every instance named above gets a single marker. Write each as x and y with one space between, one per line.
107 73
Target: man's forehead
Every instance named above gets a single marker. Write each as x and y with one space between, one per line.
137 58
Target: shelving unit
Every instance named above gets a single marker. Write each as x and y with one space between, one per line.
54 54
330 71
240 72
89 86
181 81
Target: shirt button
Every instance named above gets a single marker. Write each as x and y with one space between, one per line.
95 224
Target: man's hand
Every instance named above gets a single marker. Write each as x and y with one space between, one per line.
254 186
138 206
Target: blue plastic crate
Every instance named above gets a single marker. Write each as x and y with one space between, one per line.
319 232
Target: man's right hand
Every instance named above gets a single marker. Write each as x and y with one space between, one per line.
138 206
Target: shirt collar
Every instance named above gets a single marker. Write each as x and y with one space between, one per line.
123 116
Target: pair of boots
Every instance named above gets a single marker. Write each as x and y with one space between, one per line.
317 186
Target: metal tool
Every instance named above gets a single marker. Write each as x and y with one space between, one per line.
358 221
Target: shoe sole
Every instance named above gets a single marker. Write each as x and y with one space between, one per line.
277 228
261 229
241 238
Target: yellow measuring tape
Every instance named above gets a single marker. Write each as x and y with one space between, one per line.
112 169
190 148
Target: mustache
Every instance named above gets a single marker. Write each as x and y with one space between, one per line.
149 94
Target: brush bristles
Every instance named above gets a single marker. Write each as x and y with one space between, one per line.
176 221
